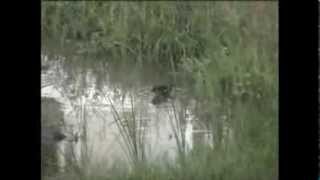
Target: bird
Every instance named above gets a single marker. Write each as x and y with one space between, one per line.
162 93
162 89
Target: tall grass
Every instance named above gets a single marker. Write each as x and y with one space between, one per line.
129 127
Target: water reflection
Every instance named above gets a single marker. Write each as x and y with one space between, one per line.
133 124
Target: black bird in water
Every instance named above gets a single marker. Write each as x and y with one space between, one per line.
162 93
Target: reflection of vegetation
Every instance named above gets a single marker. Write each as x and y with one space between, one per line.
223 54
51 122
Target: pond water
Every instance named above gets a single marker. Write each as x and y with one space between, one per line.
115 124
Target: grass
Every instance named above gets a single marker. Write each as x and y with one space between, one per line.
203 164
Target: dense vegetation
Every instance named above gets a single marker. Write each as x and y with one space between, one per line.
223 54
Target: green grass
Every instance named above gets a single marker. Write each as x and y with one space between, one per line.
204 164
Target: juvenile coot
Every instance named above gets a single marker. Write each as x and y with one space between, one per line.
162 93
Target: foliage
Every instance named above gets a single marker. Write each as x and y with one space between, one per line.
223 54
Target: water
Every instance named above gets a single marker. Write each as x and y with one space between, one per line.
117 124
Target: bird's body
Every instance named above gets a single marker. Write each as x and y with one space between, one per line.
162 93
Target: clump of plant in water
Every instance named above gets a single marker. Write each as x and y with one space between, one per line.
222 54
